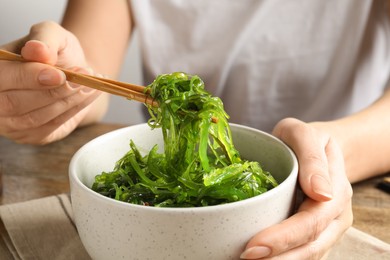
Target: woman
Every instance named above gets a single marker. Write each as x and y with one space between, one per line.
276 66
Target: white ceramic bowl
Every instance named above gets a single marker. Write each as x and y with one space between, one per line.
111 229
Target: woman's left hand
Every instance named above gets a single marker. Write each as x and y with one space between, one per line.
326 212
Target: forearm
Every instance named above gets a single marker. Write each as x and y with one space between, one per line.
103 29
364 138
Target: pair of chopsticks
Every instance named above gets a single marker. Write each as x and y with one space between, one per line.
127 90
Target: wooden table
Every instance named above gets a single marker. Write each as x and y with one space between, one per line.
30 172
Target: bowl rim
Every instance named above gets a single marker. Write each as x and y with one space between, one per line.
292 177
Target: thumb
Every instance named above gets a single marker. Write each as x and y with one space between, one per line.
35 50
48 42
310 147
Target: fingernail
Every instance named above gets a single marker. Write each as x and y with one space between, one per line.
36 41
321 186
74 85
87 89
82 70
100 75
51 77
256 252
89 71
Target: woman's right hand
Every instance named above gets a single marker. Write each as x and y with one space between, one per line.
37 104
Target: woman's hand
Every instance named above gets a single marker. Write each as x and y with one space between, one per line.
326 212
37 105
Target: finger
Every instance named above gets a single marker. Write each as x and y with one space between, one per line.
16 102
46 114
15 46
57 128
323 244
47 40
309 148
312 219
296 231
51 43
36 50
29 75
300 230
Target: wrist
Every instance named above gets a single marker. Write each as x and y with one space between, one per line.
338 134
358 146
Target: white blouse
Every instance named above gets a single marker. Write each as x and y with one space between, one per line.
271 59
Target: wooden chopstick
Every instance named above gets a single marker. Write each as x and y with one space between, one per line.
127 90
111 86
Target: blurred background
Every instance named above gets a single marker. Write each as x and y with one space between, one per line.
16 17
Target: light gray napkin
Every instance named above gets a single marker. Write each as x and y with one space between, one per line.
358 245
40 229
44 229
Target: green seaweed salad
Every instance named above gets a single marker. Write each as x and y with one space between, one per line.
200 165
